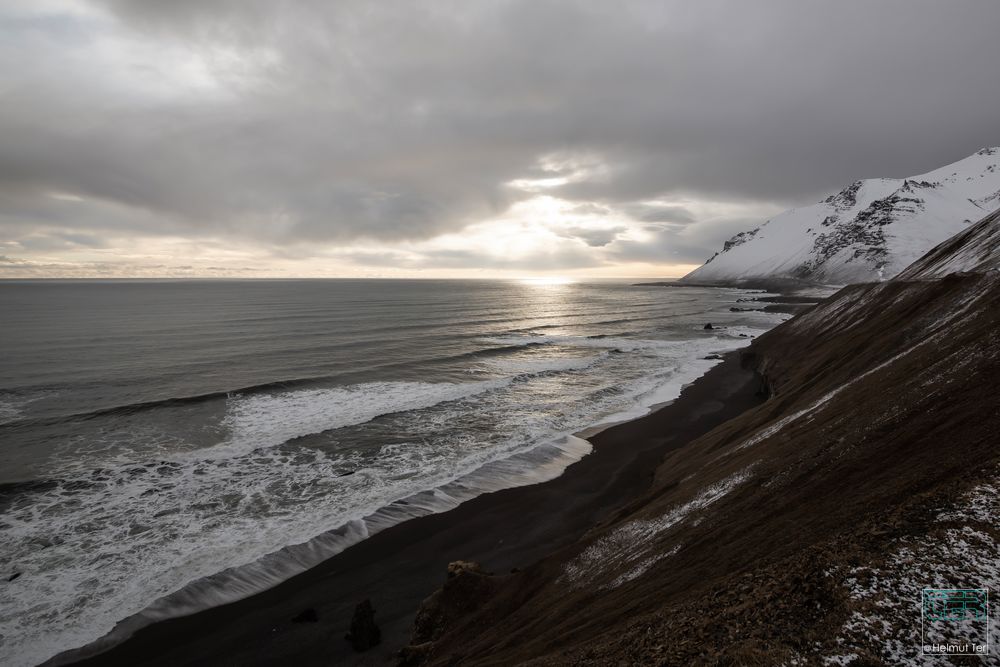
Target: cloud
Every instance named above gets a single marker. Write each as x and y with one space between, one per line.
679 245
560 258
590 209
595 237
29 269
60 241
317 125
661 213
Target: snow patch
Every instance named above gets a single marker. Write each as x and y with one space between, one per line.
886 623
629 544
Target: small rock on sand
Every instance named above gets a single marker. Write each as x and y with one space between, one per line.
364 633
307 616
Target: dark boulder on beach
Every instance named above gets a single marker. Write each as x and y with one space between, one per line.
364 633
306 616
708 327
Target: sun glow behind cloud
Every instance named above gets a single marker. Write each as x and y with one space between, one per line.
546 281
542 240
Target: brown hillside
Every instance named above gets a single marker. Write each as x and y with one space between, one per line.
800 530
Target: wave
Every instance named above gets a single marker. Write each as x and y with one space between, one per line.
615 342
530 366
214 524
534 466
13 403
11 411
128 409
622 341
267 420
479 355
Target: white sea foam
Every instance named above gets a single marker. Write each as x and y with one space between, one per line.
12 406
541 464
9 411
268 420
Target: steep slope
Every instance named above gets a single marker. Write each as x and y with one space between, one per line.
870 230
803 531
976 249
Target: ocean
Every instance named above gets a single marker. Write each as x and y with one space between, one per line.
166 446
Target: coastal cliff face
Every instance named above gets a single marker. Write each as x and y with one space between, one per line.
869 231
803 531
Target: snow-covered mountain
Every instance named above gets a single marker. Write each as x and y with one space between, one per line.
869 231
977 250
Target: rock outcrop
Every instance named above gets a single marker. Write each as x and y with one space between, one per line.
465 591
364 633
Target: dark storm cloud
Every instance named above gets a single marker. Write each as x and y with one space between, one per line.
319 122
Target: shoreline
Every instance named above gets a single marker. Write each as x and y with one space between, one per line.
401 565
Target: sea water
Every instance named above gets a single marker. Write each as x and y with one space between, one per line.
167 446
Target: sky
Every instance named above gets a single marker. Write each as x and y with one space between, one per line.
467 138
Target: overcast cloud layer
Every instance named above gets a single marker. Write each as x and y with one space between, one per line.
254 137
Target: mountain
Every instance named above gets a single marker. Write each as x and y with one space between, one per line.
804 530
869 231
977 249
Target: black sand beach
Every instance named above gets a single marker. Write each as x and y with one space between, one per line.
398 568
